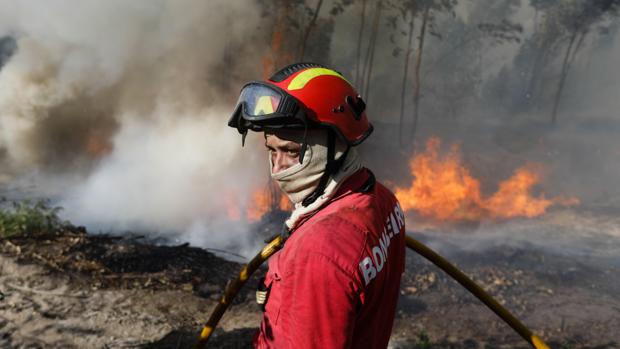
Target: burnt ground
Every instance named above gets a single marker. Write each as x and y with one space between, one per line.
559 274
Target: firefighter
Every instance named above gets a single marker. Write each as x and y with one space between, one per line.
335 284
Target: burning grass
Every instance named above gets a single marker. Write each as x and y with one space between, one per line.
444 190
551 292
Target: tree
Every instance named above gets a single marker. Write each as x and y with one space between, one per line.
418 65
409 10
293 38
309 28
360 35
370 53
558 37
408 16
579 17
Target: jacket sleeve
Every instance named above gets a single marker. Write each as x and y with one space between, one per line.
319 303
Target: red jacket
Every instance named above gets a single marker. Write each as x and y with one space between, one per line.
336 282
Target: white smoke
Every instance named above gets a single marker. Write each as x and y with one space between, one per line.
119 109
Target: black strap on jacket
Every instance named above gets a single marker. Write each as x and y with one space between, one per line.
369 185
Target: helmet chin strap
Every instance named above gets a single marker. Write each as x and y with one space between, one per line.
331 167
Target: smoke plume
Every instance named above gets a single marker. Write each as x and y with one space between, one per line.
118 109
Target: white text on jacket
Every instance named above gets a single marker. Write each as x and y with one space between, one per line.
394 224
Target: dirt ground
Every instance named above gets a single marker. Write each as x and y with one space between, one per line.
559 275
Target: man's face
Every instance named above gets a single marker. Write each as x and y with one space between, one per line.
284 153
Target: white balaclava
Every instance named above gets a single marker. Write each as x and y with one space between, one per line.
300 180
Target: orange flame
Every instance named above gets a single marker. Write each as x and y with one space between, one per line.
285 204
443 189
259 205
262 200
513 198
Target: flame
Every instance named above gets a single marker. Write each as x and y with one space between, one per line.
259 205
513 198
262 200
285 204
443 189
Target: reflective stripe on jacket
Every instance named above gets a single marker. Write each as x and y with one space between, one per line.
336 282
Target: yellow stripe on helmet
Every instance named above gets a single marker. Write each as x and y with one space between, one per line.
304 77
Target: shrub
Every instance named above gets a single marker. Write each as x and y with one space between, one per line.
26 217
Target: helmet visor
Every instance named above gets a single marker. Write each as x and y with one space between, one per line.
259 100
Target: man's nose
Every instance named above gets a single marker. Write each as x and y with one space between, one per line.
279 162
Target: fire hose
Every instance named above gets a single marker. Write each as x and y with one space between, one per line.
276 244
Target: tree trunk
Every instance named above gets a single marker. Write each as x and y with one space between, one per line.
371 52
535 20
359 45
582 36
311 25
563 74
405 76
540 83
537 69
418 65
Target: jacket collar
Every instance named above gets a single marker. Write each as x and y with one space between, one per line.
359 180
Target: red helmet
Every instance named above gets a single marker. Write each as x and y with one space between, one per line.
303 95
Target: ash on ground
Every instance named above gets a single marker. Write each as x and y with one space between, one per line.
558 274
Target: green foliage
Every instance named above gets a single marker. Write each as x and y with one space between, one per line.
423 341
26 217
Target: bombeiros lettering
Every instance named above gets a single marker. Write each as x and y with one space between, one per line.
371 265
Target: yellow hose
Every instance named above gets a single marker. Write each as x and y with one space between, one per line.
477 291
233 288
276 244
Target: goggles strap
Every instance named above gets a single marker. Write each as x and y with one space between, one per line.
243 135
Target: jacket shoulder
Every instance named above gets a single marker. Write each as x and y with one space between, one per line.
335 237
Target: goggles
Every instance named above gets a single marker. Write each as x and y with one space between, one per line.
262 105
